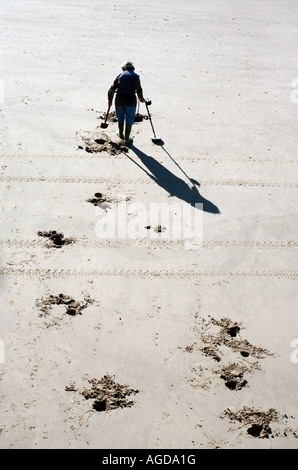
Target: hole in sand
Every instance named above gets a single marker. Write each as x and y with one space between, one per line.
233 331
233 376
235 384
108 394
258 430
258 421
72 311
100 405
159 229
55 239
244 353
98 199
100 141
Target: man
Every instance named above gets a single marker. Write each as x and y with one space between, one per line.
127 85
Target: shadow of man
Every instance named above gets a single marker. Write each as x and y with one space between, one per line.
171 183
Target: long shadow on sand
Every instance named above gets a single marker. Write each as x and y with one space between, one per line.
171 183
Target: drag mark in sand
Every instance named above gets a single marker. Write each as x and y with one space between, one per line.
194 159
134 181
149 242
143 274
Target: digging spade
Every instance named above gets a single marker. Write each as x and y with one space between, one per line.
138 116
104 125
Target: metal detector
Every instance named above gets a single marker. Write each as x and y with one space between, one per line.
153 138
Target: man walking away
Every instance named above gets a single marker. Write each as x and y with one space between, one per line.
127 84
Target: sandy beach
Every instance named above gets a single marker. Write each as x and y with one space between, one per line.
148 292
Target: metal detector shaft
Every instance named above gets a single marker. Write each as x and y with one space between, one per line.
150 120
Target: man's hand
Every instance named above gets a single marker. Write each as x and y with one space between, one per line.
142 100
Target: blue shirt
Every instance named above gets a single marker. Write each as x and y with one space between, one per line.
127 85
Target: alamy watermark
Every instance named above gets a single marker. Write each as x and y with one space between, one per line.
294 354
168 221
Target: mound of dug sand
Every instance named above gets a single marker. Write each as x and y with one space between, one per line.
258 423
55 239
72 307
108 394
96 141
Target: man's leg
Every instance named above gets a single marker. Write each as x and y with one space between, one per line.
127 133
120 114
121 129
130 116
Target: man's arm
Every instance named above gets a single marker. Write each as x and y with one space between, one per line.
111 91
139 90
